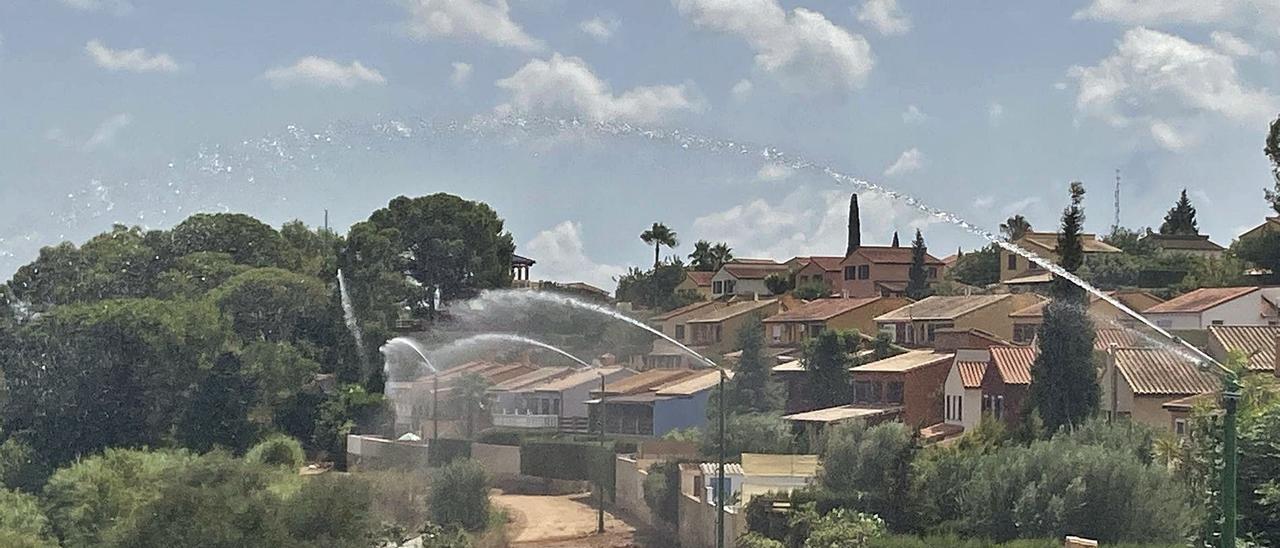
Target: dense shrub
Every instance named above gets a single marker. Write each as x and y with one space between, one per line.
749 433
278 450
460 496
756 540
21 520
495 436
569 461
442 451
86 500
872 465
841 528
662 490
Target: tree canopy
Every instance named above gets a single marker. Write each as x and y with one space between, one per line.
1015 227
659 235
1181 218
708 257
1272 150
917 276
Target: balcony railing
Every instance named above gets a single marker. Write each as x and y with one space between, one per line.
526 421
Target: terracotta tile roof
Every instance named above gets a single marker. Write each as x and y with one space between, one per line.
841 413
882 254
1183 242
1190 402
941 308
577 378
1014 362
971 373
904 362
754 261
685 310
754 271
648 380
725 312
1159 372
531 378
1256 341
1131 299
892 286
827 263
939 432
1041 278
1049 241
700 278
1200 300
821 309
691 384
1103 338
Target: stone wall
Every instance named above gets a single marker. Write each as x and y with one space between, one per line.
629 485
498 461
697 528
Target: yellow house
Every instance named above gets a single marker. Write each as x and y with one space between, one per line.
1138 382
794 326
1015 269
696 281
674 324
916 324
716 331
1026 321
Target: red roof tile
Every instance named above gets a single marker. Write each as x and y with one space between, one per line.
821 309
1258 342
700 277
1014 362
892 255
1103 338
754 271
829 264
692 307
1200 300
1159 372
971 373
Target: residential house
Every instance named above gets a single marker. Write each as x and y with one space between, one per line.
1137 382
821 270
674 324
1180 410
507 398
913 382
793 327
765 473
873 271
1199 309
1006 384
745 277
520 270
1197 245
1271 223
1017 270
412 401
1257 343
916 324
556 403
698 282
816 421
962 400
654 402
715 331
1027 321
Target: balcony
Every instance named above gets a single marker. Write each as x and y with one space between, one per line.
526 421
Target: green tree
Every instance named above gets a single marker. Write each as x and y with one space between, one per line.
979 268
811 290
777 284
1262 251
748 433
192 276
450 247
1070 245
842 528
20 518
218 414
272 304
460 496
115 264
1131 242
276 371
1015 227
871 464
88 501
708 257
248 240
657 236
1272 150
332 511
1181 218
662 490
917 276
471 395
277 450
309 252
350 410
752 388
826 360
655 288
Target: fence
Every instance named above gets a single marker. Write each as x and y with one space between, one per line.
629 487
498 461
697 527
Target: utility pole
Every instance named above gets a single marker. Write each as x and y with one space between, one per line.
1116 226
435 398
600 481
326 220
1230 399
720 490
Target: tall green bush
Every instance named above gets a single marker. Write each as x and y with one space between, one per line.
277 450
460 496
662 490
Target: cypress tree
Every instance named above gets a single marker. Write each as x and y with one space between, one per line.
1064 384
751 390
1181 218
826 358
917 277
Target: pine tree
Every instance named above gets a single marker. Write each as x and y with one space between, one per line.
1064 384
1181 218
826 358
1272 151
218 415
917 277
752 390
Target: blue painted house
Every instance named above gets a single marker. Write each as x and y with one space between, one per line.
654 402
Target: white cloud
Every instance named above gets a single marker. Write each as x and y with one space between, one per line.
803 50
107 131
983 202
742 90
133 60
1020 206
321 72
461 74
1167 137
599 28
886 16
119 7
1202 12
995 113
913 115
771 172
1160 81
806 222
910 161
562 257
1231 44
567 85
486 20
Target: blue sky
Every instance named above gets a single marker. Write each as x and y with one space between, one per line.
142 112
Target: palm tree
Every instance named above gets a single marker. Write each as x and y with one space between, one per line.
659 235
722 254
471 392
1016 227
709 258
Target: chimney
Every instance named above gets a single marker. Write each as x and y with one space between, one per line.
855 226
895 238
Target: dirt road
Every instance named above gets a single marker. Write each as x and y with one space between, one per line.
564 521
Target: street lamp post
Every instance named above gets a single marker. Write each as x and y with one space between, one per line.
600 481
1230 401
720 490
435 400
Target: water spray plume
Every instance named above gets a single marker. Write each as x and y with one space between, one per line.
510 338
413 345
349 317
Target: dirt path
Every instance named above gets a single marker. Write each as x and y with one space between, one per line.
562 522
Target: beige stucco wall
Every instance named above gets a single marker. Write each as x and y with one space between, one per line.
497 460
879 273
629 488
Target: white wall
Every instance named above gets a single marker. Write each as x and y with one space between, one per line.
1246 310
572 400
952 388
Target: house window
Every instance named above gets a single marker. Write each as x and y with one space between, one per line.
717 287
776 334
932 327
680 332
911 333
893 392
723 491
698 487
998 409
933 272
1013 262
815 329
1024 333
729 285
1164 323
850 272
866 392
1180 427
864 272
955 408
1216 322
555 406
717 328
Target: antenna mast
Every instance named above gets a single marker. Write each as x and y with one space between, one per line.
1116 226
